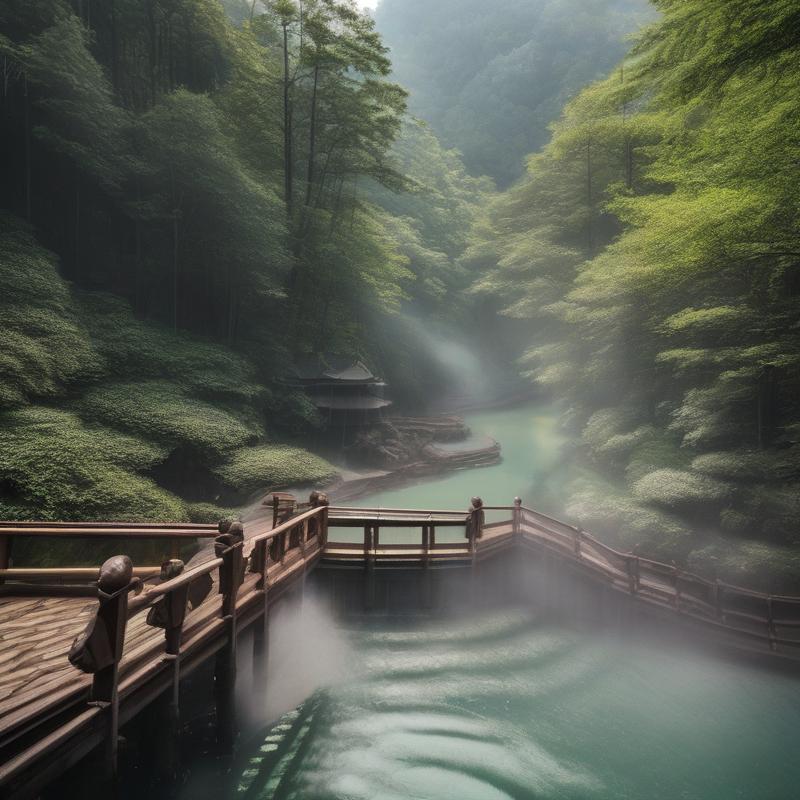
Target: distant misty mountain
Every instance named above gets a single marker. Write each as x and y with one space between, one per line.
491 76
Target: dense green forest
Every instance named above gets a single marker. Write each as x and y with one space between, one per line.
194 195
652 251
490 77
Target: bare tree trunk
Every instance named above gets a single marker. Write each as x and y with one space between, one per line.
114 46
175 233
287 124
153 55
312 137
137 281
27 104
77 225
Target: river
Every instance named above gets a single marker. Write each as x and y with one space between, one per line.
507 704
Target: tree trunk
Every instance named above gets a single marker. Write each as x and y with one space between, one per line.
287 124
27 104
175 233
114 54
77 225
137 281
312 137
153 55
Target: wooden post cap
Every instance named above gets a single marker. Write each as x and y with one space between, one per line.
171 569
236 530
115 574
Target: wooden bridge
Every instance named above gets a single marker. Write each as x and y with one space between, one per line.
162 622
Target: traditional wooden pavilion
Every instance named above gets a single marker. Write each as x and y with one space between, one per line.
345 392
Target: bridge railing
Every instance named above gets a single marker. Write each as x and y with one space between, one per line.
773 618
180 601
172 534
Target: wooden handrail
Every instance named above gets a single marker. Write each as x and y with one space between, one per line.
288 525
67 573
149 596
82 531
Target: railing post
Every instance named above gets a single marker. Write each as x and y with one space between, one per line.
632 568
718 601
169 613
516 519
228 547
771 633
370 545
324 524
676 574
99 650
6 543
577 542
367 543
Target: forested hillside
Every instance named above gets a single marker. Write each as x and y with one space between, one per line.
194 194
490 77
653 250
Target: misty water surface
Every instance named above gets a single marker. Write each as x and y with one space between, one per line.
506 704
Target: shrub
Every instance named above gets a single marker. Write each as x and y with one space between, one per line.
44 346
673 488
161 411
273 466
54 466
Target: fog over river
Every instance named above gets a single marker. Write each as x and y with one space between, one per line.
506 703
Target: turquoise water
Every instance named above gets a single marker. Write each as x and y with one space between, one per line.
530 469
507 704
530 446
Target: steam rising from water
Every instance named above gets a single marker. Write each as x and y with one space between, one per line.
505 706
306 652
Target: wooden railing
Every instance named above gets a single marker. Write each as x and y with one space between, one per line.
772 619
243 572
200 607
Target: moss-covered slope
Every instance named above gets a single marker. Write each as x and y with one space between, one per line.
103 416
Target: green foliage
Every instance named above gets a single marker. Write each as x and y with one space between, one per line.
653 250
674 488
275 466
148 351
209 513
44 346
160 411
757 565
618 518
54 466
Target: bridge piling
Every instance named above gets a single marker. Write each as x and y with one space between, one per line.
228 546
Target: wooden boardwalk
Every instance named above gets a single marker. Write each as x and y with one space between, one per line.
52 714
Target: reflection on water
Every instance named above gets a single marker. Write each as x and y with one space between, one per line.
506 706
